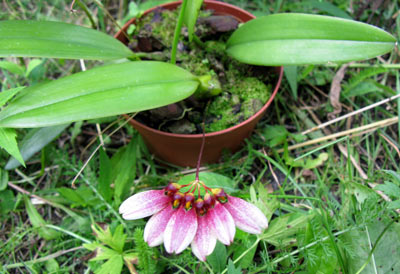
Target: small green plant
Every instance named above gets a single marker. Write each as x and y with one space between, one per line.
110 248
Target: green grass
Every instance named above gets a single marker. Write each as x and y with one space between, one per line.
324 211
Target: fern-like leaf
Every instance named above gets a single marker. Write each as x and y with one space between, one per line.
146 255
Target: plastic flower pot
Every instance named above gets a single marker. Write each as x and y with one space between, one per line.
183 149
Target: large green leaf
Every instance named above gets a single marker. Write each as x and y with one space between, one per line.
290 39
58 40
100 92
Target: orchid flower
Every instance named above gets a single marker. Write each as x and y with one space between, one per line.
198 216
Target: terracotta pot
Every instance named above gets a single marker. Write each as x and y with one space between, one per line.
183 149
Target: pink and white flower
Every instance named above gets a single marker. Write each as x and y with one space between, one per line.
183 218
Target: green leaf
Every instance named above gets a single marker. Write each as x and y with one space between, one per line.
390 189
296 39
291 76
112 266
327 7
395 175
7 202
8 142
72 195
275 135
394 204
361 192
213 180
52 266
115 240
145 5
6 95
232 269
247 259
282 230
100 92
133 11
38 222
34 141
125 170
308 162
12 67
265 202
321 258
102 252
217 259
191 14
105 176
386 253
32 65
363 88
119 238
361 77
3 179
92 246
58 40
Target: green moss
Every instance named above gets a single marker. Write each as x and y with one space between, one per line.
242 99
163 29
249 88
221 112
251 106
195 63
242 94
215 47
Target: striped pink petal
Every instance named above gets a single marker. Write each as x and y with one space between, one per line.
247 216
222 223
180 230
143 204
204 242
154 230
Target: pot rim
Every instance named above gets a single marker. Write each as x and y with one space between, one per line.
220 132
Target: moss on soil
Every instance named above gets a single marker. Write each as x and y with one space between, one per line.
242 94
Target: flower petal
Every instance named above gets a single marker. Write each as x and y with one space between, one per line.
247 216
204 242
143 204
222 223
154 230
180 230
